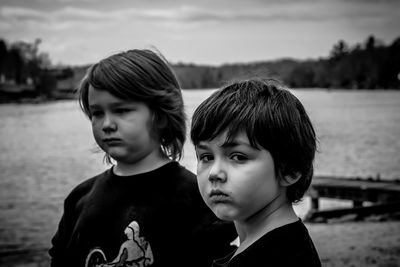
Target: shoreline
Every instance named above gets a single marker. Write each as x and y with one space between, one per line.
365 243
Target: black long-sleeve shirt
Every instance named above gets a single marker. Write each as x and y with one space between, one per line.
286 246
156 218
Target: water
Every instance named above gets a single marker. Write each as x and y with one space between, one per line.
47 149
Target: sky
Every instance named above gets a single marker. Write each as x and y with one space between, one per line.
212 32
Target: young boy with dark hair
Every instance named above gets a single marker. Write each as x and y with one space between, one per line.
255 146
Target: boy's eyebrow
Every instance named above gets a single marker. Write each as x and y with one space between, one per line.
201 146
227 144
112 105
93 106
230 144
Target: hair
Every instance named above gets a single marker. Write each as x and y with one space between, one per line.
142 75
272 118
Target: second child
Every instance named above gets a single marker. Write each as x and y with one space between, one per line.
255 147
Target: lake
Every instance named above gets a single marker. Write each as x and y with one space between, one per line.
47 149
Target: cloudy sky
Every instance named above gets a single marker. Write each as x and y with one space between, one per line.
198 31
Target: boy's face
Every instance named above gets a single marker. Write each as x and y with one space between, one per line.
121 128
235 179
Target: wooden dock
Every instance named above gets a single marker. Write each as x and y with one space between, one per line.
382 196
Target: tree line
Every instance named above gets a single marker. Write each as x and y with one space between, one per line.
23 66
367 65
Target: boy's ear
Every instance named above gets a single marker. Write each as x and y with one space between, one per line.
288 180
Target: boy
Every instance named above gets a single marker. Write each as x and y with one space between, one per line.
255 147
146 209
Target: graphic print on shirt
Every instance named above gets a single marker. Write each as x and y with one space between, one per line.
135 251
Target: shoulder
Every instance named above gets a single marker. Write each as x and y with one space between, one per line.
180 170
186 177
182 178
293 237
304 250
86 186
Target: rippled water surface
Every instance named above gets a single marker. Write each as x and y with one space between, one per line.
47 149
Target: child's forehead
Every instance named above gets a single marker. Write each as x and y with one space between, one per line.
106 96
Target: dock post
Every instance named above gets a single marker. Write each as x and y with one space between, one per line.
314 203
357 203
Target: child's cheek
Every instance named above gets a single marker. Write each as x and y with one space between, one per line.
202 183
97 136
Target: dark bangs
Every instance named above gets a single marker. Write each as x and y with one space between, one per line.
111 75
235 108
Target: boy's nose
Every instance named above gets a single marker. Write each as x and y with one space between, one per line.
109 124
217 173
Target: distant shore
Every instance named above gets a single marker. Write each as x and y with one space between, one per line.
34 100
29 97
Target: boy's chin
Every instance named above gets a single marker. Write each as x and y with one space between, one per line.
223 214
118 157
115 156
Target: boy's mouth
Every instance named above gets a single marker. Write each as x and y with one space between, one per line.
112 141
217 196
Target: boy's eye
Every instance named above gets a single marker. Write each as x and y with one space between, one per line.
239 157
96 113
205 157
122 110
